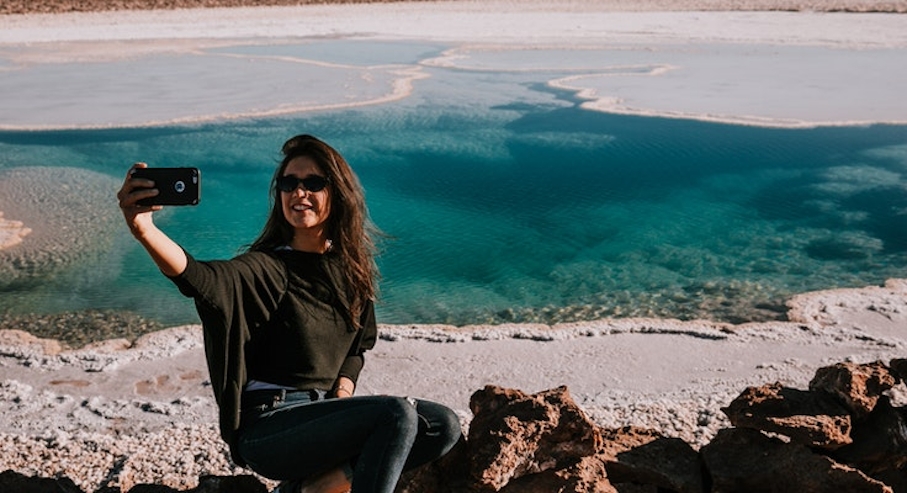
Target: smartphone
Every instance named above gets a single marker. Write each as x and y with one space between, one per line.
177 186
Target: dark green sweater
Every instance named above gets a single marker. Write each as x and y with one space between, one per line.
280 317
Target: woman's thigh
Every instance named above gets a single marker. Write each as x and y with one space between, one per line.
297 440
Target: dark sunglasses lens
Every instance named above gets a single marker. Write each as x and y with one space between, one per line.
314 183
310 183
287 183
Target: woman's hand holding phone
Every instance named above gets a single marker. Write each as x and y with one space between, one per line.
167 254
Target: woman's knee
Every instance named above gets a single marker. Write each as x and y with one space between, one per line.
401 413
440 422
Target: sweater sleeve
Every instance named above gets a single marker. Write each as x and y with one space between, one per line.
368 335
250 284
232 297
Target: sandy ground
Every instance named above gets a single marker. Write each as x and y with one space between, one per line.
118 413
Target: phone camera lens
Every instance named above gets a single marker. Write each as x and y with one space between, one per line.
179 186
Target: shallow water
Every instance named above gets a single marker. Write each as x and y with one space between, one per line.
503 200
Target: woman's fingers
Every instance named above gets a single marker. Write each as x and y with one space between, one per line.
136 189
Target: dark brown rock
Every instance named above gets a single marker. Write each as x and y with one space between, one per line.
857 387
587 476
898 368
644 457
229 484
745 460
449 474
210 484
152 488
12 481
514 434
813 419
894 478
879 441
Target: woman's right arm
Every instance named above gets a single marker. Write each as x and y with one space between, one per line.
166 253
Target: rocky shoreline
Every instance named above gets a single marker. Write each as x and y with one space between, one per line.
843 433
120 415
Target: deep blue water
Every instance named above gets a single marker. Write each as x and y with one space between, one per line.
528 210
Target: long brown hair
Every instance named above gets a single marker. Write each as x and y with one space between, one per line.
348 225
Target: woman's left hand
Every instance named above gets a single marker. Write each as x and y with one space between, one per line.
343 388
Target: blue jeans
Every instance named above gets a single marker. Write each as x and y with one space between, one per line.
303 433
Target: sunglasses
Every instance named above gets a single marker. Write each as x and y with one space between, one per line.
311 183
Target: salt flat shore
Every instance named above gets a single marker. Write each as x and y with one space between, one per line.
118 413
150 60
62 6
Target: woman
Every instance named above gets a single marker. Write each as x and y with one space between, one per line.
286 325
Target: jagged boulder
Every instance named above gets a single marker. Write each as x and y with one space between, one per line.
544 443
514 434
842 434
813 419
857 387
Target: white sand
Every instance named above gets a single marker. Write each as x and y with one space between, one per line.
763 68
117 414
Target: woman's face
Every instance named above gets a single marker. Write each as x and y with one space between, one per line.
305 210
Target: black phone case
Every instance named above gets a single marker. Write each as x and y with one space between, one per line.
177 186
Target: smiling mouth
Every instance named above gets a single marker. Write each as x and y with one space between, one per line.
301 207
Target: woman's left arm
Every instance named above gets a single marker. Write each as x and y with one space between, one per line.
345 385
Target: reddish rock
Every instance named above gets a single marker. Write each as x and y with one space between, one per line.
813 419
744 460
857 387
618 440
514 434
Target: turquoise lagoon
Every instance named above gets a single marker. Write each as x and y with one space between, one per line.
503 200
